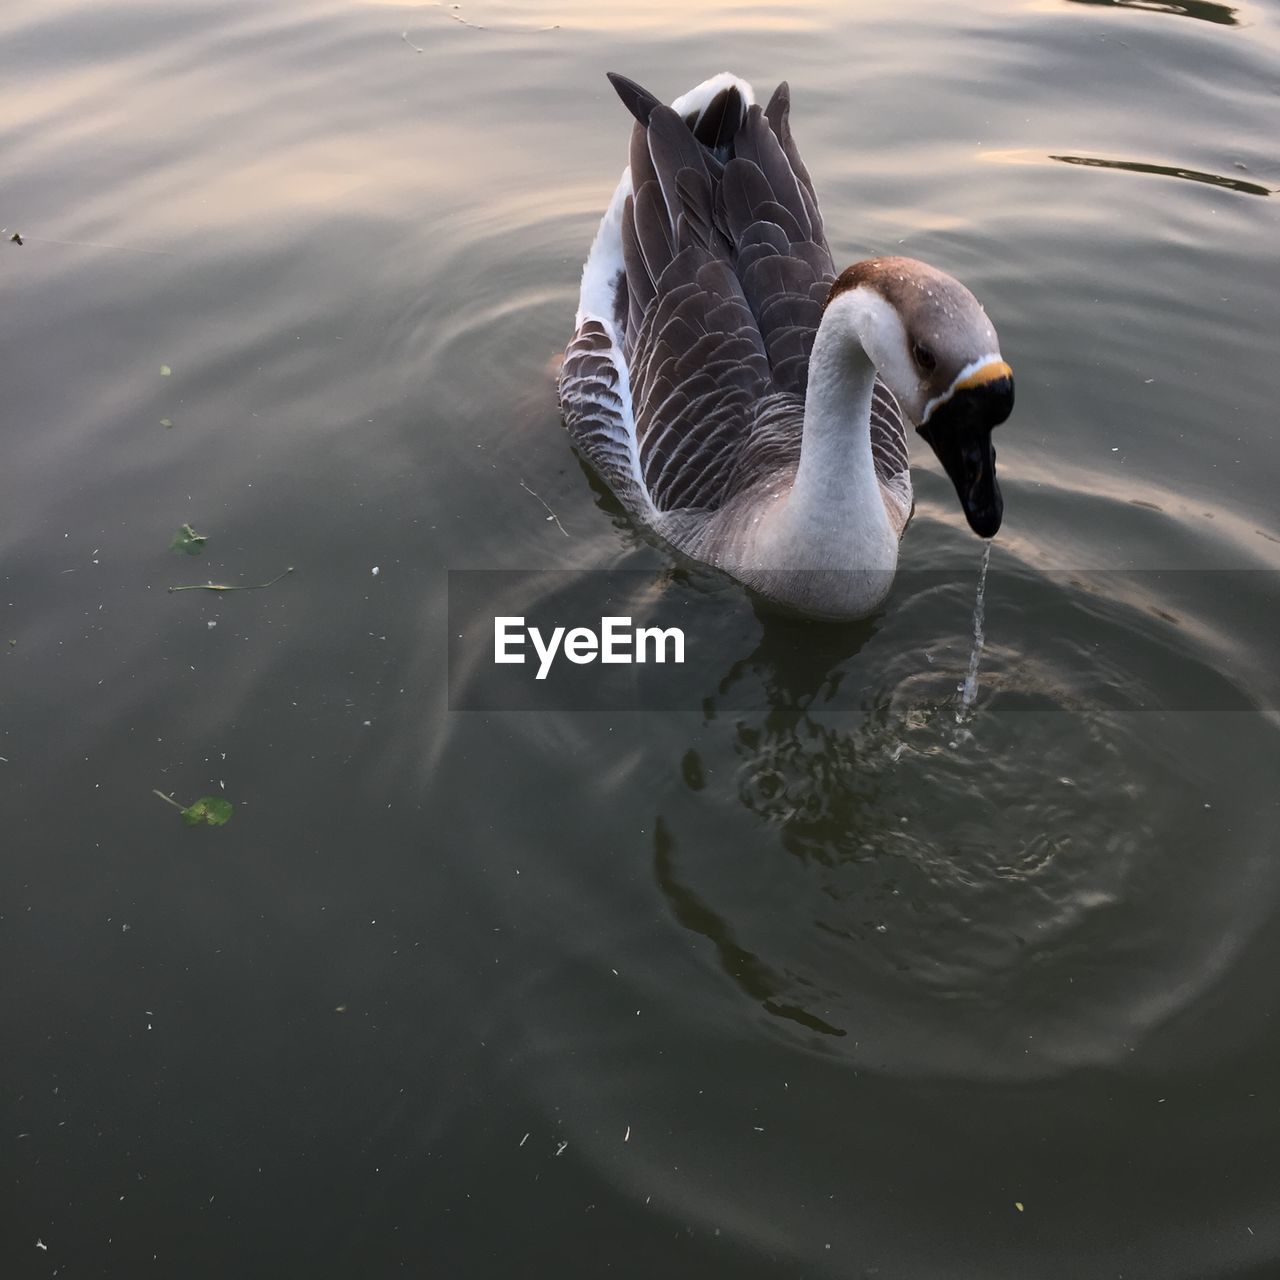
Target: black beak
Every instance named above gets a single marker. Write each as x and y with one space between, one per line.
959 432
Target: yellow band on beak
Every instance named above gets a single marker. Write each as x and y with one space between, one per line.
988 373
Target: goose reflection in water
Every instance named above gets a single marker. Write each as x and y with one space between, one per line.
798 771
793 771
822 784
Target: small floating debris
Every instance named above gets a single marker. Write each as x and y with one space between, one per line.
551 515
188 542
219 586
1169 171
211 811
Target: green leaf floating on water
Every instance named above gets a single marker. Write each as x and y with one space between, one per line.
211 810
188 541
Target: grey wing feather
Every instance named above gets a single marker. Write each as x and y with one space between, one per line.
778 113
672 148
757 143
639 101
889 449
593 392
718 122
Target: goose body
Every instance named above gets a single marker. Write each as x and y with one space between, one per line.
741 399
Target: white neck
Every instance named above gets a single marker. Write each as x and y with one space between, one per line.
835 515
827 547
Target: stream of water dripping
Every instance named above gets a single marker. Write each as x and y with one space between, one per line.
969 689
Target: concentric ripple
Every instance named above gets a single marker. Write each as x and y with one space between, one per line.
1034 889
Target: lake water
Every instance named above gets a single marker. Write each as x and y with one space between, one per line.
799 975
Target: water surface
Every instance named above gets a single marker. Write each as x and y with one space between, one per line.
798 977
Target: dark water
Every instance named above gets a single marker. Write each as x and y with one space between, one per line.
800 978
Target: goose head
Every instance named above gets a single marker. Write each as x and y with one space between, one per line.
935 349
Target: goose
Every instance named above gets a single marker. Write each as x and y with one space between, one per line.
742 400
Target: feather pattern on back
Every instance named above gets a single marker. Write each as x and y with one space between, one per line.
684 384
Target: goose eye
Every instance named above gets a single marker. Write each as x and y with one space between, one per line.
924 357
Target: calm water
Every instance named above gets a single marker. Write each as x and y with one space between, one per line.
800 978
